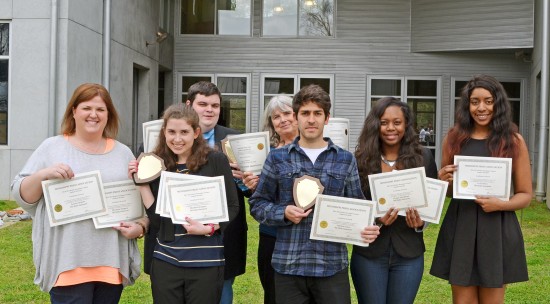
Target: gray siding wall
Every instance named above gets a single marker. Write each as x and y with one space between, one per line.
372 38
471 25
80 34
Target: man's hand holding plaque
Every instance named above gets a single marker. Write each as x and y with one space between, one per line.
149 168
305 191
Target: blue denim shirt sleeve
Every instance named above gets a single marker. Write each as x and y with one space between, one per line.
264 205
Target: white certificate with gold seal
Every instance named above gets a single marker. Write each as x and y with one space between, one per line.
486 176
338 130
341 220
437 191
123 204
76 199
399 188
202 200
168 178
250 150
151 131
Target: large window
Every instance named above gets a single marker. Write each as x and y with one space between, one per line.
216 17
235 90
513 90
284 84
421 94
4 69
298 18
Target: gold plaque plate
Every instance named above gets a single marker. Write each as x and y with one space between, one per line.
149 168
305 191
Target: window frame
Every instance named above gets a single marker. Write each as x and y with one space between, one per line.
177 10
522 99
297 78
8 58
214 79
299 5
405 97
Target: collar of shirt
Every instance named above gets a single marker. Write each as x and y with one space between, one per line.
296 146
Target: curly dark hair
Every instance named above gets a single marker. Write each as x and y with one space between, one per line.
312 93
369 146
503 136
200 149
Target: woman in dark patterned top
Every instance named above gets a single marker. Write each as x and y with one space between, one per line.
186 261
390 269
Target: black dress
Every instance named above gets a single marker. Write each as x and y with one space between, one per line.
475 248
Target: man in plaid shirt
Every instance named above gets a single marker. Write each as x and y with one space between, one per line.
307 270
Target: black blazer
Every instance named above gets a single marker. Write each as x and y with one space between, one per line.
163 228
405 241
235 235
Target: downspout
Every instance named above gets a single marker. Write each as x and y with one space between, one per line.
540 191
52 105
106 43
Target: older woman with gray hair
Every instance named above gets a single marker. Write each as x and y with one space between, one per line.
279 120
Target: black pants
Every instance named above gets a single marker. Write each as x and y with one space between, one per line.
291 289
265 270
86 293
185 285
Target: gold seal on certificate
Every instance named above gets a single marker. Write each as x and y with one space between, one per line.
323 224
226 148
149 168
381 201
58 208
260 146
464 184
305 191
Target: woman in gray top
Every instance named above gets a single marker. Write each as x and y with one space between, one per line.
75 261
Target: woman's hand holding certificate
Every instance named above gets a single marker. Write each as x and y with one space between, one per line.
399 189
482 176
76 199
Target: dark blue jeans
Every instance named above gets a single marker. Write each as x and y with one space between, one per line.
86 293
390 278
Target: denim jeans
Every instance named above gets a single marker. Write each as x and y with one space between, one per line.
390 278
227 291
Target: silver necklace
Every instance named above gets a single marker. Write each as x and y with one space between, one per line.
390 163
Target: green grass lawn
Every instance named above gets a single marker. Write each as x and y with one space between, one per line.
17 270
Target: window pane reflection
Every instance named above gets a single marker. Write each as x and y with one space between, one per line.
234 17
316 18
280 18
279 86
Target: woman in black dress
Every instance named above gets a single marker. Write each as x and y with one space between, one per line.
480 245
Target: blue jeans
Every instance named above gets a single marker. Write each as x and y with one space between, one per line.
227 291
86 293
390 278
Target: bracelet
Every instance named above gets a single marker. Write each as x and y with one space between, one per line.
212 230
143 232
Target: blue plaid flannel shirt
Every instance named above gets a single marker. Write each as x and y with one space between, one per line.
295 253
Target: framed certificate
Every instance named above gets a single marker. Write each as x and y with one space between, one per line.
399 189
437 191
487 176
250 150
338 131
123 204
168 178
201 200
76 199
341 220
151 131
